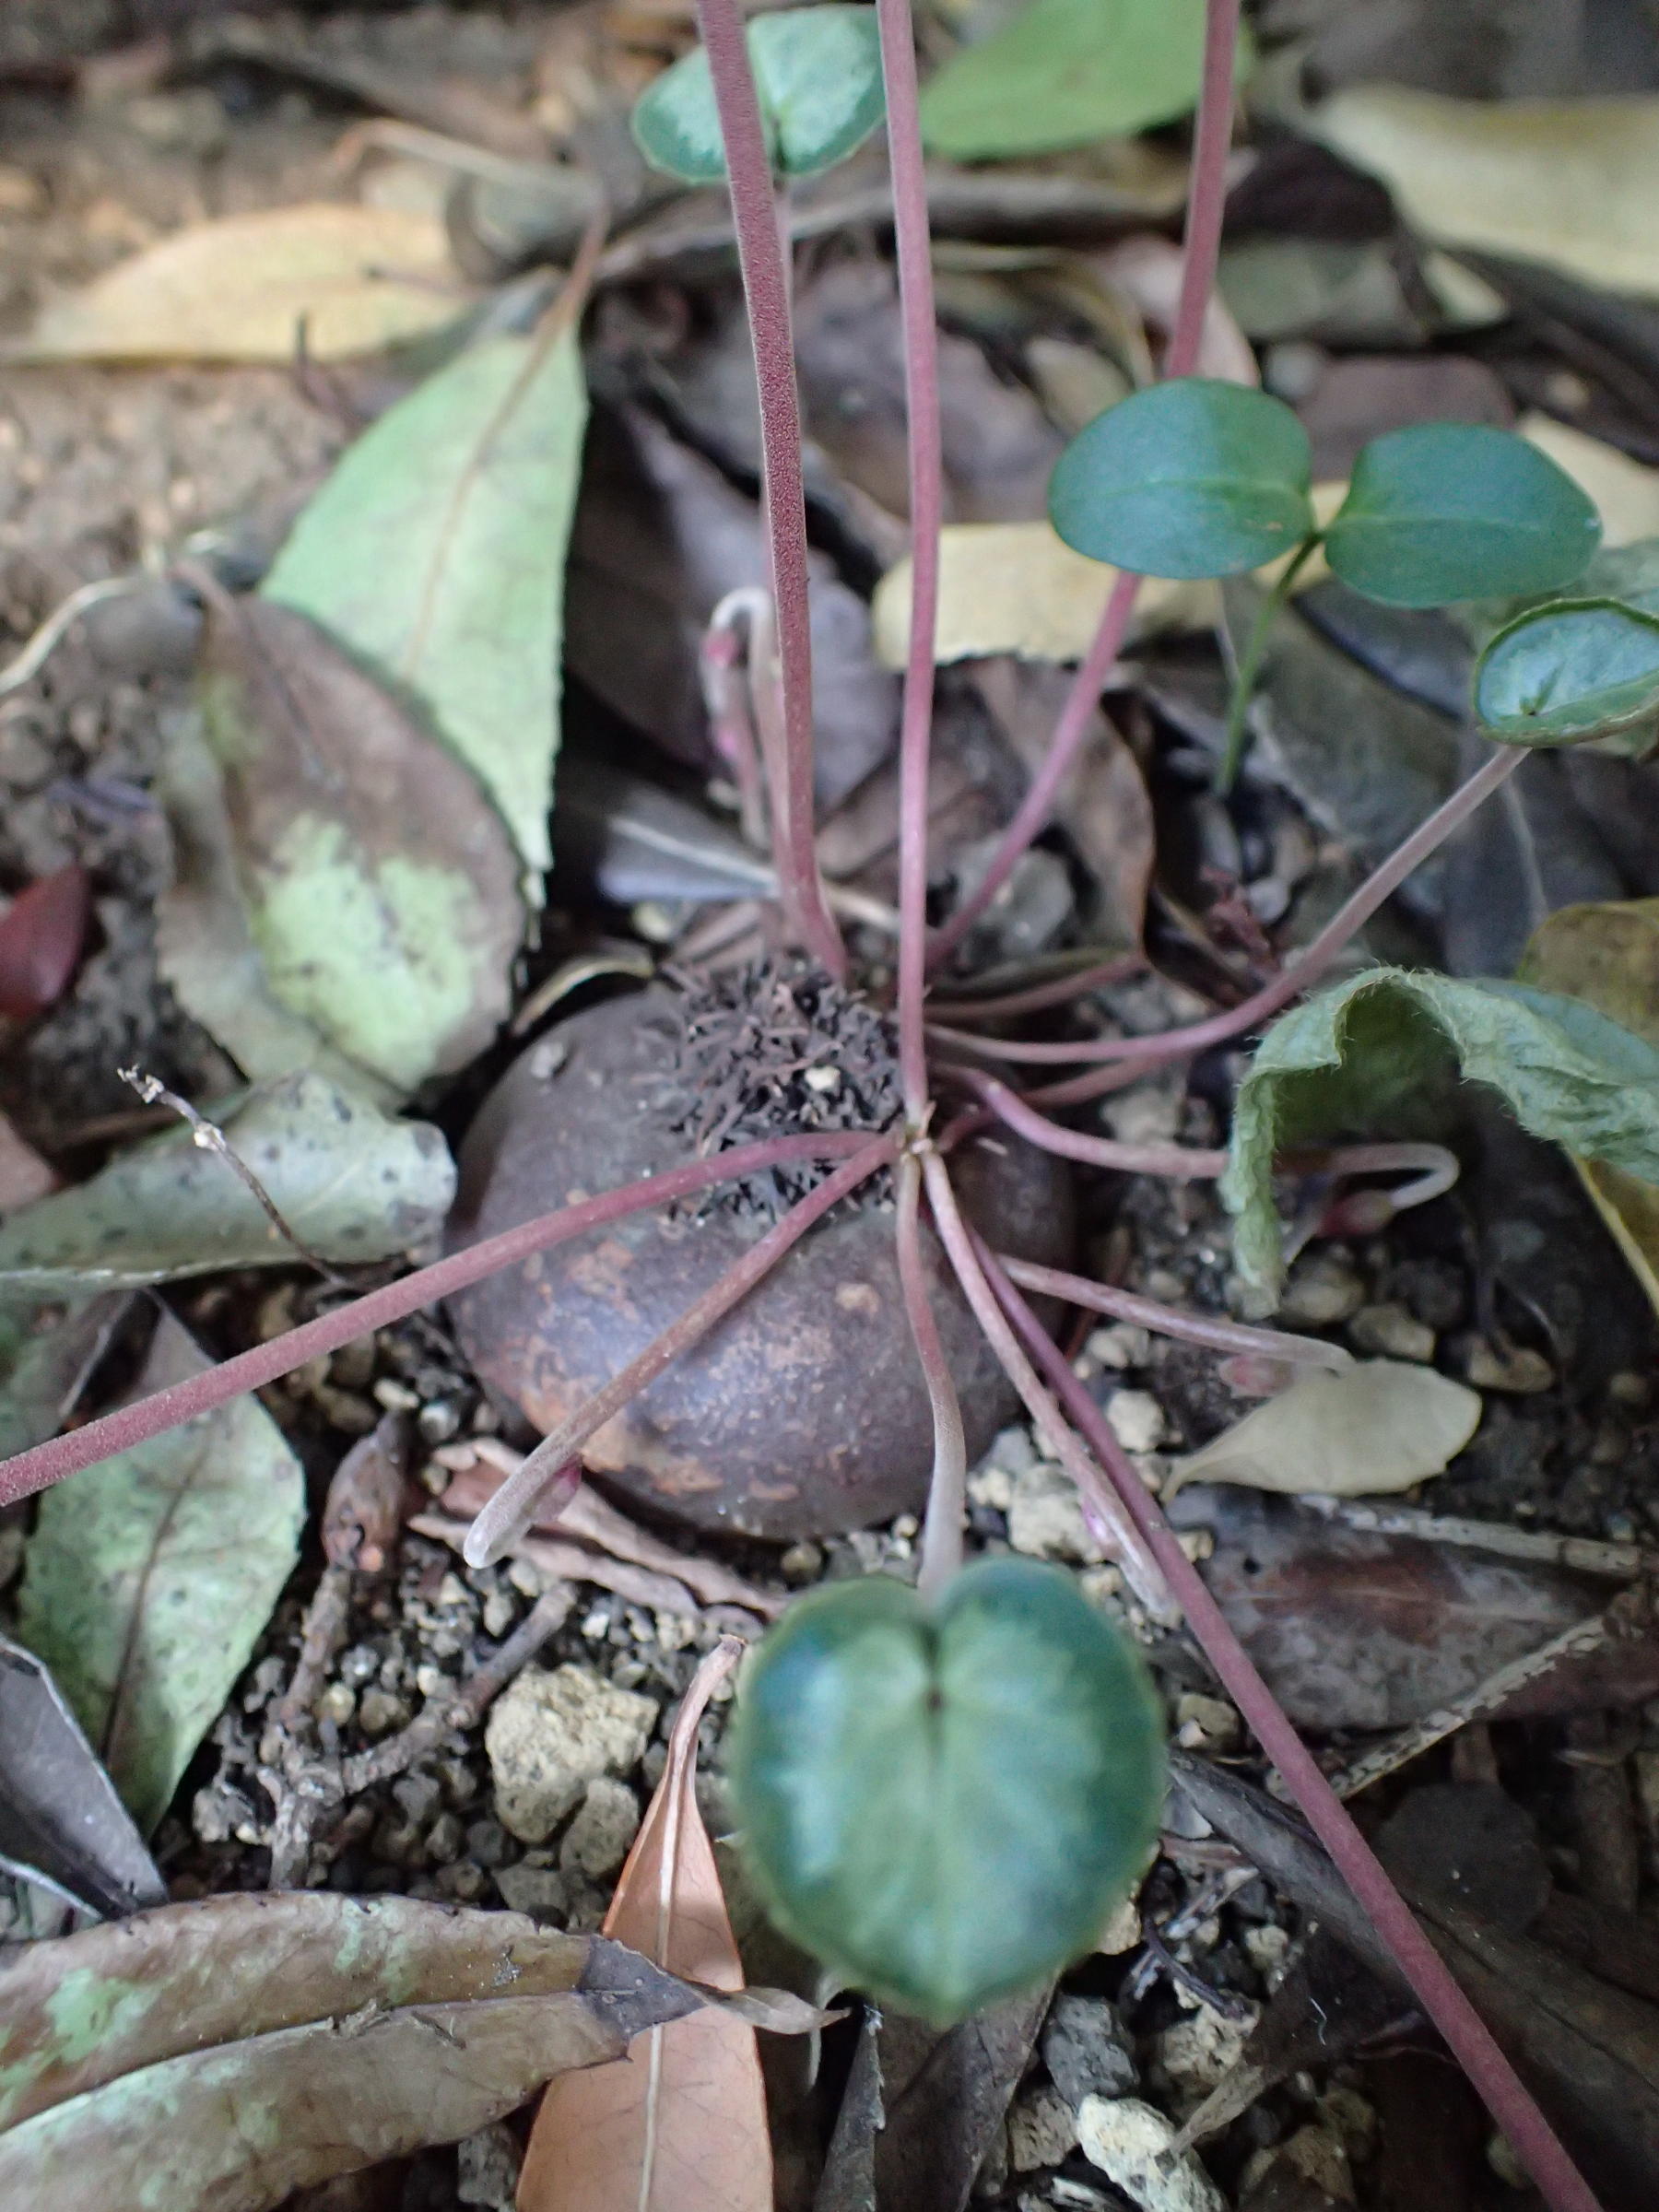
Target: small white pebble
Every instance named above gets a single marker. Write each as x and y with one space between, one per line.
822 1080
1130 2142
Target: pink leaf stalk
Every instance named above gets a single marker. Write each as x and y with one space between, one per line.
766 290
513 1507
926 513
1500 2088
1138 1055
1206 200
947 1490
38 1469
1236 1338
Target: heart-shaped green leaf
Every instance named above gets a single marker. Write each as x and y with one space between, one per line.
1189 479
1565 674
817 74
1371 1052
943 1805
1450 510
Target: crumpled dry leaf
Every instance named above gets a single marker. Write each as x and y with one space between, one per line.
678 2124
1568 182
351 1183
60 1817
1608 956
660 538
1377 1427
380 885
147 1582
243 287
47 1351
233 2050
435 554
1017 587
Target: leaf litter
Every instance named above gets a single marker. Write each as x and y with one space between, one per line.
1335 1628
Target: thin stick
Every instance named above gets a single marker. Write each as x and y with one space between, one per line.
926 512
1500 2086
1142 1054
1132 1555
1580 1555
1207 198
37 1469
1499 1687
1210 1330
210 1138
508 1514
728 672
57 625
948 1491
465 1705
766 293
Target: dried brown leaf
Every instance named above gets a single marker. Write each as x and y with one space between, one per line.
241 288
679 2125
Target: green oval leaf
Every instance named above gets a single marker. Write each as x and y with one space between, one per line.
944 1806
1069 73
1450 510
818 73
1190 478
1577 670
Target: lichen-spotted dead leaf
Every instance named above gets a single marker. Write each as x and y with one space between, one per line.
1607 955
1570 183
217 2056
435 553
1377 1427
242 287
679 2125
381 886
352 1183
148 1581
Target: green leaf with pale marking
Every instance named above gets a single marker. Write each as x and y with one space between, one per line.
1067 73
1573 672
946 1805
818 77
1190 478
148 1578
1449 511
1339 1066
352 1183
435 554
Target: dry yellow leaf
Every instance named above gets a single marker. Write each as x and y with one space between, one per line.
1607 955
239 289
1372 1430
1626 494
1572 183
1015 587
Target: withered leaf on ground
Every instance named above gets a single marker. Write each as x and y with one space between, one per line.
60 1817
1353 1630
679 2125
379 882
148 1578
435 554
1379 1426
241 288
234 2050
46 1354
660 538
353 1185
